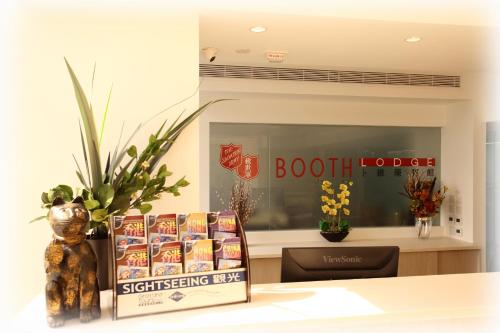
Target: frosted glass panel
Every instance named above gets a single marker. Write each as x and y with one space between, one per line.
284 165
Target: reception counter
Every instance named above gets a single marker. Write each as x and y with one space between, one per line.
444 303
436 255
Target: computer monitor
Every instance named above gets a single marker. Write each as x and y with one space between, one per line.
338 263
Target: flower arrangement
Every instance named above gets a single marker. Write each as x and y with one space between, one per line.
129 179
241 201
425 200
335 207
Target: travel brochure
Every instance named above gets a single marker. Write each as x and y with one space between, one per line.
172 244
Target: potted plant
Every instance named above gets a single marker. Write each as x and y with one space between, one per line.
333 225
129 179
425 201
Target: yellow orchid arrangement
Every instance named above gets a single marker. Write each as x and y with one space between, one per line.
334 206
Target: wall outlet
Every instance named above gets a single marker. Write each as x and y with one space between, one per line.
458 221
458 232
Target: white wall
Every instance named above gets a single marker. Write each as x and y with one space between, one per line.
150 57
264 101
457 159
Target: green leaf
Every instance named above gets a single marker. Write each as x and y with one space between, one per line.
132 151
182 182
122 175
148 192
38 218
80 177
163 172
155 181
115 152
99 215
105 194
343 225
324 225
58 193
67 190
174 190
146 177
45 198
121 204
106 169
174 131
152 139
145 208
79 172
51 195
84 193
105 116
91 204
89 124
118 160
160 129
85 158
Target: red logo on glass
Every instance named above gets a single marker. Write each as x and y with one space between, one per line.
230 156
245 166
249 167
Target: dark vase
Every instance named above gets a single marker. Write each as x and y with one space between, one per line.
334 236
102 250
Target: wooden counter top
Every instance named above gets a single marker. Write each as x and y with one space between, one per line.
405 245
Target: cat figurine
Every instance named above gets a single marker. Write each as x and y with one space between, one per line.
72 289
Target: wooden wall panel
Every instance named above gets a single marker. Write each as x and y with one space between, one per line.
418 263
453 262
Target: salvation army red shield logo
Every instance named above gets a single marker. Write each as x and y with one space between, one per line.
249 167
230 156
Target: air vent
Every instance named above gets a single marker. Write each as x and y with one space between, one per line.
351 77
375 77
290 74
319 75
315 75
398 78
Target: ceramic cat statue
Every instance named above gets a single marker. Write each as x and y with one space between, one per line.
72 289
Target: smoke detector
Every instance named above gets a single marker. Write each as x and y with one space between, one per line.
276 56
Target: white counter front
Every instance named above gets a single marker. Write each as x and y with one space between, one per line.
438 303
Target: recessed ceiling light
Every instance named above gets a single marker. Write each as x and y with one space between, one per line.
413 39
258 28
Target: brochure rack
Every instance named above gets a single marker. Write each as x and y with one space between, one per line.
184 291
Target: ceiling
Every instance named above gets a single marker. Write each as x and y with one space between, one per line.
345 43
336 34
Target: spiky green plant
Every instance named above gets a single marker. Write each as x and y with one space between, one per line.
123 184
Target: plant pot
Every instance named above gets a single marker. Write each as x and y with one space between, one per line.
423 226
334 236
102 250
